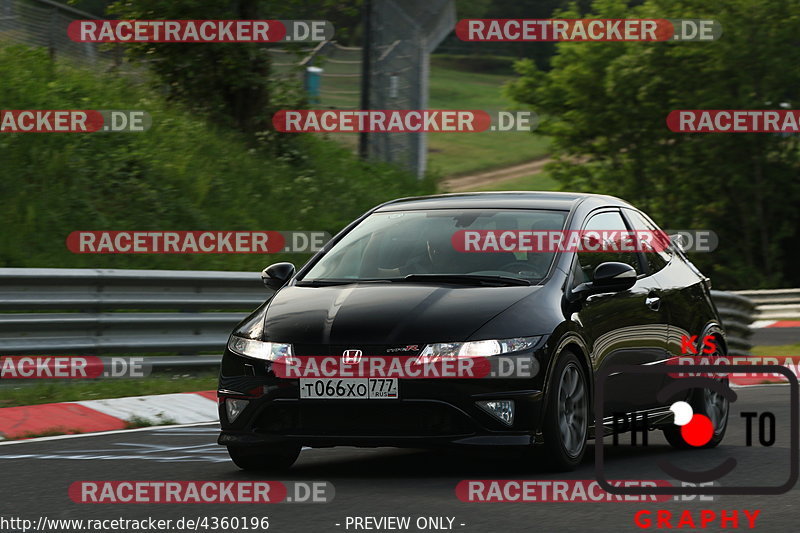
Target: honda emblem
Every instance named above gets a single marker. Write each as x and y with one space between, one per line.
351 357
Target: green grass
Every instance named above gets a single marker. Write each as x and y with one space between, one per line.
450 154
464 153
475 63
185 173
776 351
455 154
459 89
535 182
52 392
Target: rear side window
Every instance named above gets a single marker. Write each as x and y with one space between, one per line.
656 260
588 261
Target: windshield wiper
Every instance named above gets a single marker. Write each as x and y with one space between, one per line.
325 282
472 279
333 282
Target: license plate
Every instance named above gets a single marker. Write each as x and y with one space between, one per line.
349 388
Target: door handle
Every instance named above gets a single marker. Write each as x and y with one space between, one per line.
653 302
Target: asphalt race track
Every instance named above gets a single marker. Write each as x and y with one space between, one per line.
774 336
368 482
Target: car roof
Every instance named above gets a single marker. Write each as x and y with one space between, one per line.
565 201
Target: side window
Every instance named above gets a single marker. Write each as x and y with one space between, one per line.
656 259
588 261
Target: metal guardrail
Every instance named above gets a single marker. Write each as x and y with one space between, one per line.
737 313
775 303
93 312
96 312
147 364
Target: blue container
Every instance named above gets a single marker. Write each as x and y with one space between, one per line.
313 82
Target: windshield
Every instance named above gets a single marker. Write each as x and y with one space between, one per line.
394 245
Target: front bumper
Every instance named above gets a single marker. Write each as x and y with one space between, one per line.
428 413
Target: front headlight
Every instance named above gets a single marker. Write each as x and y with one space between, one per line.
268 351
452 350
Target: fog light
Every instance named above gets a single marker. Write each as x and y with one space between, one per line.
235 408
503 410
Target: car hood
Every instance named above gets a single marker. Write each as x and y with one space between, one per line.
384 314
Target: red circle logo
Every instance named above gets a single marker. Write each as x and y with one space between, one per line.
698 431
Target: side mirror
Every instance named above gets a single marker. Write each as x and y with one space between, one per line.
614 277
607 277
275 276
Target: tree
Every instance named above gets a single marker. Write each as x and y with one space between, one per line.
231 83
472 9
605 106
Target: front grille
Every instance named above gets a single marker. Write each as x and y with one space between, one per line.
354 418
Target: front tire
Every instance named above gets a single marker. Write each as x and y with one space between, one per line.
264 459
566 420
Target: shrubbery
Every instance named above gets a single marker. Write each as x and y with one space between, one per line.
183 174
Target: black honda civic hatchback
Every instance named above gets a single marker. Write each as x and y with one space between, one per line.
458 279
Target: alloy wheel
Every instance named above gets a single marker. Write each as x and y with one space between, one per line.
572 410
